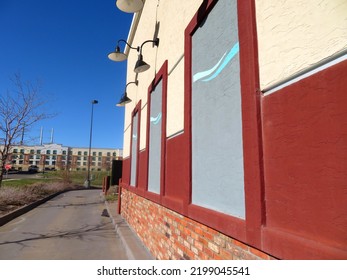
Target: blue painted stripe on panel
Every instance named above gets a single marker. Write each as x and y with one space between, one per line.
206 73
156 120
218 68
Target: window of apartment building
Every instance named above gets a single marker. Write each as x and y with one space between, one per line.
54 152
114 154
79 153
134 146
48 152
108 154
22 151
15 151
156 125
32 152
85 153
38 152
94 153
64 152
100 154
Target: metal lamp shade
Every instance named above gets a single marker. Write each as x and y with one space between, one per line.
124 100
117 55
129 6
140 65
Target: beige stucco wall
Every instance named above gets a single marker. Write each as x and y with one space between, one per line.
294 35
171 18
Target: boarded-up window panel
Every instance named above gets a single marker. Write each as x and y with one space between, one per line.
217 149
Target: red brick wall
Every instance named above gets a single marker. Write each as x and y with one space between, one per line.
169 235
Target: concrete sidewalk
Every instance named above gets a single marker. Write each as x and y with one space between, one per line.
135 249
77 224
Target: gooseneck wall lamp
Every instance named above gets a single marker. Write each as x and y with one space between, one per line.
129 6
140 65
117 55
125 99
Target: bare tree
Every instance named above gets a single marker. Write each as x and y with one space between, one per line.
20 109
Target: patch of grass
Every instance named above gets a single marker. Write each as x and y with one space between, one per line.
111 194
111 197
78 177
24 182
68 177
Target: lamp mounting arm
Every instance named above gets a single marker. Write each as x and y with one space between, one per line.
136 83
155 43
131 47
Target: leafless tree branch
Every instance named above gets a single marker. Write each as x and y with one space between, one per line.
19 109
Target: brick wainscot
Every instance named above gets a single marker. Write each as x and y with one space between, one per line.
171 236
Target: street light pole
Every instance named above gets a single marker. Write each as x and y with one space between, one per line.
87 182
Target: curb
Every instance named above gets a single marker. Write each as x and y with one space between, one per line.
134 247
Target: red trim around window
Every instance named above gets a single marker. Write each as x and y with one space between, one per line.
137 110
251 118
161 76
247 230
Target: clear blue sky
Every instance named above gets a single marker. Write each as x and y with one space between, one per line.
64 44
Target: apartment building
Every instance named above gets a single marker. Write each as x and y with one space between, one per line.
59 157
101 159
